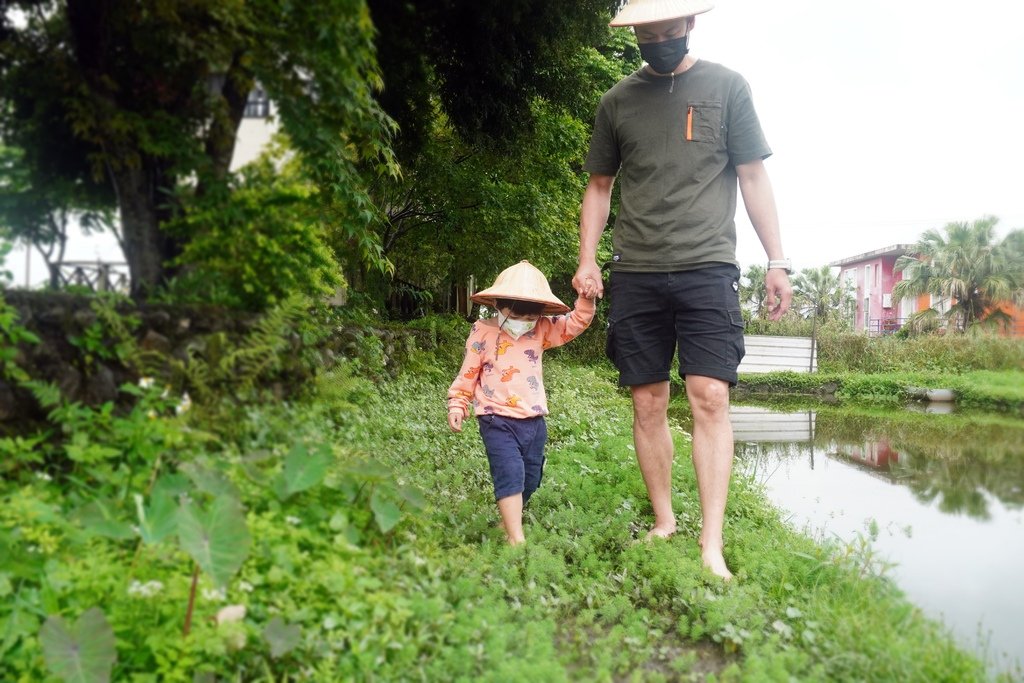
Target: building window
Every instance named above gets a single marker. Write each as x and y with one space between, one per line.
867 278
258 105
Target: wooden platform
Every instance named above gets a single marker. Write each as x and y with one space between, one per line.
769 354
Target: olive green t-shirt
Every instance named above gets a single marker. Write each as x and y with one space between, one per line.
674 143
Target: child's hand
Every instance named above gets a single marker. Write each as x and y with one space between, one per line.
455 420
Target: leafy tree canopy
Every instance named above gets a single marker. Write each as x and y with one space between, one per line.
145 96
486 60
967 266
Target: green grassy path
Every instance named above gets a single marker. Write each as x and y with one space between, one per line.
586 600
381 560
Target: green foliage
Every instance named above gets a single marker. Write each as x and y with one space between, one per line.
843 351
383 561
967 269
468 204
753 294
461 210
216 538
83 653
222 367
281 252
12 335
819 293
302 470
150 112
487 62
282 637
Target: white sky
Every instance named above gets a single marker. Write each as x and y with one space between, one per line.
885 118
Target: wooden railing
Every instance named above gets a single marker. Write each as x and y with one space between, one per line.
96 276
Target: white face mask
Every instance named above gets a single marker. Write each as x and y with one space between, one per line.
515 328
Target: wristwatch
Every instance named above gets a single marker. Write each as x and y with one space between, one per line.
783 263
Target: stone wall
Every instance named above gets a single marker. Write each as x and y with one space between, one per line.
94 378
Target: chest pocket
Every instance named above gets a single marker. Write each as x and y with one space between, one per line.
703 122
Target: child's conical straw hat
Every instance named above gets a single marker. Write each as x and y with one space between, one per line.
525 283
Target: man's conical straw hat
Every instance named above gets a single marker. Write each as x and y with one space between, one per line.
525 283
638 12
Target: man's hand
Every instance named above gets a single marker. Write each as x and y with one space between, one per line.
455 420
780 292
587 281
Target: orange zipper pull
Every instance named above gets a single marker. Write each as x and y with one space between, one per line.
689 123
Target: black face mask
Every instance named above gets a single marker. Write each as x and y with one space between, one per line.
665 56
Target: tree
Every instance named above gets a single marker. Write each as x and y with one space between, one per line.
484 62
966 267
151 92
38 211
821 294
491 146
754 293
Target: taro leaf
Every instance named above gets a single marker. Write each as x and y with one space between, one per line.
209 480
172 484
370 469
385 512
282 637
157 520
303 469
413 496
218 538
99 517
84 653
251 466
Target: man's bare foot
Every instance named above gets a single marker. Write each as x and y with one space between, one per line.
660 532
714 561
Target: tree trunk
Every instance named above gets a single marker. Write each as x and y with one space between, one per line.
147 249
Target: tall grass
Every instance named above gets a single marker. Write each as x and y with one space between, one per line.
851 352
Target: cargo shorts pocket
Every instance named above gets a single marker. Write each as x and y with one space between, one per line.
738 326
609 341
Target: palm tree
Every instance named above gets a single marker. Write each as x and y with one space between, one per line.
820 293
754 293
967 268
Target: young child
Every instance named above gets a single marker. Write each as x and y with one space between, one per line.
502 377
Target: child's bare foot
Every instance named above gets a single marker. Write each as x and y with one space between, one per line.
660 532
515 540
715 562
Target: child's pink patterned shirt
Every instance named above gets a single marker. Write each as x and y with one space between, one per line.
503 376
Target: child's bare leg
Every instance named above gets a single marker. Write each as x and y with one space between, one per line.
511 509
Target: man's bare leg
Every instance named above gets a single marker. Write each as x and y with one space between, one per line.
653 443
511 509
712 462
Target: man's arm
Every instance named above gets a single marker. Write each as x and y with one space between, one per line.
597 200
759 200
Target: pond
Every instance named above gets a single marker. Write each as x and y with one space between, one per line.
940 496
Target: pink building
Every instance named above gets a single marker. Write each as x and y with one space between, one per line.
871 278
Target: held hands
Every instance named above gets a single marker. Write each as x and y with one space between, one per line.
587 281
455 418
779 291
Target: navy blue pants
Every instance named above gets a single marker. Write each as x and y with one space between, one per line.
515 451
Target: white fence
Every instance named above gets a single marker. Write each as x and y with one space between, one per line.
767 354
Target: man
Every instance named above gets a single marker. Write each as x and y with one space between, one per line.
678 134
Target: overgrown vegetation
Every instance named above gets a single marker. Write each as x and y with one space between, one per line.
349 536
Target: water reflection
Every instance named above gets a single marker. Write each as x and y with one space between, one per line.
944 492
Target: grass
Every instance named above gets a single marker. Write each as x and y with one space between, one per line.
1001 390
440 596
619 609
